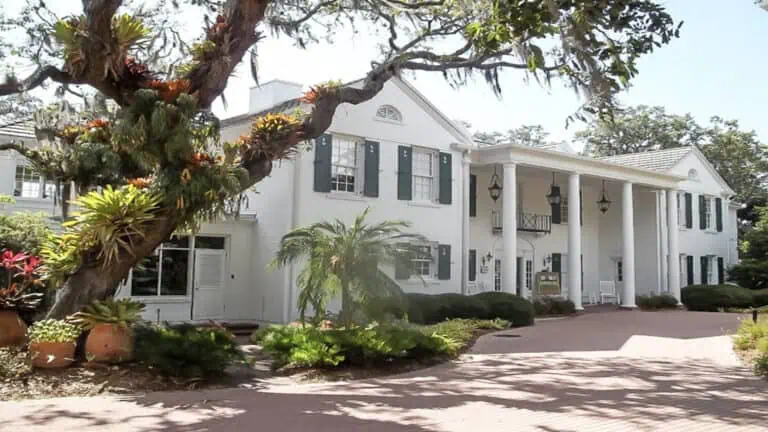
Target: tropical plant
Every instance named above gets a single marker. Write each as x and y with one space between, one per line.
24 231
163 85
122 313
346 260
53 330
21 272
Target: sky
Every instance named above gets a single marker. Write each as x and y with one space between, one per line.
718 66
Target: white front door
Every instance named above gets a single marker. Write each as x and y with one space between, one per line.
210 278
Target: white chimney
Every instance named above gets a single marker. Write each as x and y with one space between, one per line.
272 93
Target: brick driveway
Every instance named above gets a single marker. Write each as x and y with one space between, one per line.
611 371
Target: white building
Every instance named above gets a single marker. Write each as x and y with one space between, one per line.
671 222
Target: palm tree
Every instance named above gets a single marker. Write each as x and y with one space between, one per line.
346 259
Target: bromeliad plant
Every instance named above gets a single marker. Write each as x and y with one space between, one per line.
345 259
22 277
54 331
122 313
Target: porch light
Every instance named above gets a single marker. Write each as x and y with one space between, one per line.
553 197
603 203
494 188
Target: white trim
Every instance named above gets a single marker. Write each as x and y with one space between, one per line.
711 169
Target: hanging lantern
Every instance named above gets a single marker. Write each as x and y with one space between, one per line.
553 197
494 188
603 203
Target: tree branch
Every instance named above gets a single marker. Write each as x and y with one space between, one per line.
20 148
14 86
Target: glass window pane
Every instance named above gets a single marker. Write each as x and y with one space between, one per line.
203 242
144 278
175 272
177 241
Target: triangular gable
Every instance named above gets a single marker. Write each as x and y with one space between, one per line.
710 169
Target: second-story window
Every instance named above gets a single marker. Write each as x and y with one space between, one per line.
424 175
344 165
708 217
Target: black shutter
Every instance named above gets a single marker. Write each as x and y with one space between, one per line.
323 150
720 270
444 262
719 214
371 186
689 268
556 207
446 181
404 172
704 270
472 265
557 263
702 213
402 266
688 210
472 195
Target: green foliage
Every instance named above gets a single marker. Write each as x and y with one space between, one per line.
21 285
185 350
711 298
310 346
654 302
14 363
553 306
760 298
429 309
750 335
761 365
24 232
752 271
345 259
52 330
123 313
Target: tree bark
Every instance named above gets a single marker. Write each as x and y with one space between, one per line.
346 304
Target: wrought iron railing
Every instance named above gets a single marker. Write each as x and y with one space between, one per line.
527 222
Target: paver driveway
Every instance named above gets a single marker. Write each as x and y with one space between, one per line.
612 371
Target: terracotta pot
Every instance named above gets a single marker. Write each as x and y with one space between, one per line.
51 355
13 331
109 343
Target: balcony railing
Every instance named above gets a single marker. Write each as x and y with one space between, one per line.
526 222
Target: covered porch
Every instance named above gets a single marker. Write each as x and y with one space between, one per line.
585 221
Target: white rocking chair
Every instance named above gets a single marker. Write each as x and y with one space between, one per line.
608 291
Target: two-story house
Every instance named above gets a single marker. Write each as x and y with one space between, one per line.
495 216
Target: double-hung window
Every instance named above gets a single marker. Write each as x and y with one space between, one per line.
564 210
680 209
424 169
708 216
711 267
345 157
421 262
30 184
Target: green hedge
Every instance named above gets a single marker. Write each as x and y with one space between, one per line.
711 298
760 297
430 309
654 302
553 306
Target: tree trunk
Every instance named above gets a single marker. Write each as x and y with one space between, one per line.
346 304
92 281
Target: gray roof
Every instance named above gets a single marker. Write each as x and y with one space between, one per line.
19 129
660 160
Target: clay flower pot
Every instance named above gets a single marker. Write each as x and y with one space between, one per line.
52 355
109 343
13 331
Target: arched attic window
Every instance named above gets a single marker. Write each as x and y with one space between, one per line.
388 112
693 174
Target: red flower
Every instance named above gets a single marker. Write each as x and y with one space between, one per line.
10 259
30 266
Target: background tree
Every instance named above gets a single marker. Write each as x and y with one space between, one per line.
342 259
527 135
738 156
752 271
164 140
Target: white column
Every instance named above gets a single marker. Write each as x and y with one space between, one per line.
574 241
674 246
465 225
663 241
509 209
628 238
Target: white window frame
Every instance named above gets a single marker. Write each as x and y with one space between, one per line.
429 261
528 263
711 263
45 189
683 269
357 168
389 113
708 213
434 193
681 209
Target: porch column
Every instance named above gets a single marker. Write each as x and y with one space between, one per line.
673 265
628 238
574 240
465 225
509 210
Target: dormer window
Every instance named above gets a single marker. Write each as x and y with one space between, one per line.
390 113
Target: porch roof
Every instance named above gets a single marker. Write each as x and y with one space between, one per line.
568 162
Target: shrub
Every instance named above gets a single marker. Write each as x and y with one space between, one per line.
462 330
24 231
710 298
760 297
52 330
14 363
553 306
185 350
761 366
750 273
655 302
517 310
749 334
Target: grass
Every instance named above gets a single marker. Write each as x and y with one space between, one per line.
464 331
751 341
